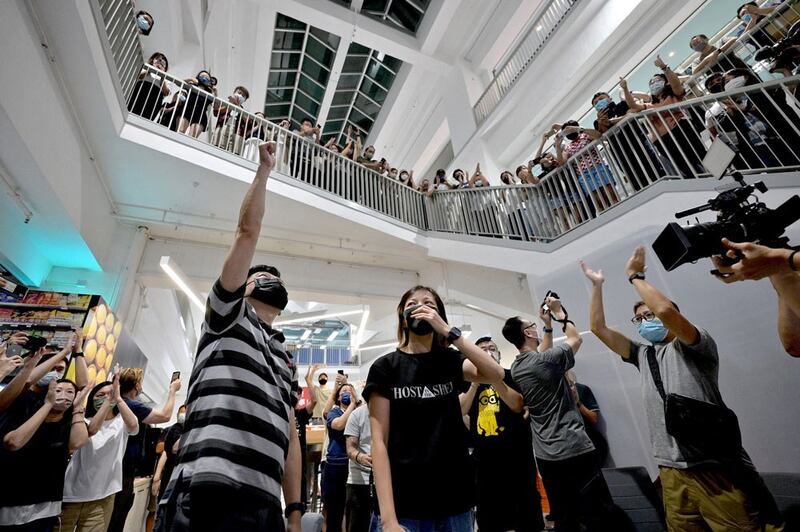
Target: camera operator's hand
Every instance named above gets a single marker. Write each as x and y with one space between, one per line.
547 319
756 261
596 277
636 262
554 305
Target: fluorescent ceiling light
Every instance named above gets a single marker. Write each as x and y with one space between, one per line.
305 335
333 335
179 278
378 346
361 327
314 317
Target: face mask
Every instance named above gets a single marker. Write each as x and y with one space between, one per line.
98 403
653 330
417 326
270 291
182 97
736 83
45 381
657 87
746 18
601 104
61 404
716 88
345 400
239 98
572 136
205 80
700 46
181 418
323 382
143 23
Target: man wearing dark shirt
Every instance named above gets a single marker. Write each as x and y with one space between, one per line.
506 470
590 412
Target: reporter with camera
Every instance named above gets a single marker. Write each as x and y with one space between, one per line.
707 478
577 492
782 267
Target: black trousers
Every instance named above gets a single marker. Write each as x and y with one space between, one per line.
122 505
47 524
579 496
358 508
507 496
216 510
334 495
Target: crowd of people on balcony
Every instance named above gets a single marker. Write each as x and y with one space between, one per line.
584 171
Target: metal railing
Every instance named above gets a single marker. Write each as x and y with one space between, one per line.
193 111
505 77
761 121
119 24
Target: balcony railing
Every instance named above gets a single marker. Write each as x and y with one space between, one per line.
761 121
505 77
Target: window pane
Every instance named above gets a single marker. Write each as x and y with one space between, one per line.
281 79
342 98
367 107
276 111
283 40
288 22
354 64
332 128
348 81
338 113
373 90
360 120
381 75
310 88
317 51
285 61
280 95
315 72
328 38
309 105
298 114
392 62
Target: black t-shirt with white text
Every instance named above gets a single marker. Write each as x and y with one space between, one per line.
431 469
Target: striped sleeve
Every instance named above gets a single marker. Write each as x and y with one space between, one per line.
223 308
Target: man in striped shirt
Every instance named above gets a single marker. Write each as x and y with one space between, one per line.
239 443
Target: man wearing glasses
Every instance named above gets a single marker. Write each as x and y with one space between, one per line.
700 490
578 494
501 437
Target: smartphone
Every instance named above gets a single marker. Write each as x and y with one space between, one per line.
35 343
175 376
340 372
13 350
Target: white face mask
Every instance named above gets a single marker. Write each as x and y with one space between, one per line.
736 83
657 87
181 418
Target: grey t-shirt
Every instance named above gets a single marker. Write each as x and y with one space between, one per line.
691 371
558 431
358 426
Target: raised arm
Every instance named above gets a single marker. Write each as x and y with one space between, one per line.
78 433
614 340
312 402
546 341
47 366
510 397
164 414
81 371
787 285
340 381
251 215
293 474
19 437
574 339
633 105
19 383
466 398
754 12
341 422
128 417
659 304
559 150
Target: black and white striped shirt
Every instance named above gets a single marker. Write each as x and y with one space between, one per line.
242 388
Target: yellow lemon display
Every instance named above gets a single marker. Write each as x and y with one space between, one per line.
111 343
91 330
101 376
90 350
117 329
100 313
109 359
101 335
110 322
101 357
91 374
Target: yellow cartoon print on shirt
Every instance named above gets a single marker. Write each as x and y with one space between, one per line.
488 408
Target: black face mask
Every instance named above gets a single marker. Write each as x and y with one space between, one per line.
417 326
270 291
323 382
572 136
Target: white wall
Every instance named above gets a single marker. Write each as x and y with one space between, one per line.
757 379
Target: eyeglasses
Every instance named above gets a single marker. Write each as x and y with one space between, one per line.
647 316
529 326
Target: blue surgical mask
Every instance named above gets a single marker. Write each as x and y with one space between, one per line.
205 80
143 23
45 381
657 87
601 104
653 331
746 18
346 399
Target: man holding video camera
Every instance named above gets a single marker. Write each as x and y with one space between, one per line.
708 480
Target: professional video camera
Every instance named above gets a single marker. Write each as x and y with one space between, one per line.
739 219
784 53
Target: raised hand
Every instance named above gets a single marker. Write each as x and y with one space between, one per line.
659 63
116 395
426 313
623 83
755 261
8 364
636 262
19 338
553 304
50 398
80 397
596 277
266 152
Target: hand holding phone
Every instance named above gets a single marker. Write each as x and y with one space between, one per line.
175 376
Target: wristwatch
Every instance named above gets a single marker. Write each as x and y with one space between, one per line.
634 276
547 330
453 335
294 507
77 354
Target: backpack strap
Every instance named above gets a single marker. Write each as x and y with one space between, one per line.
655 371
